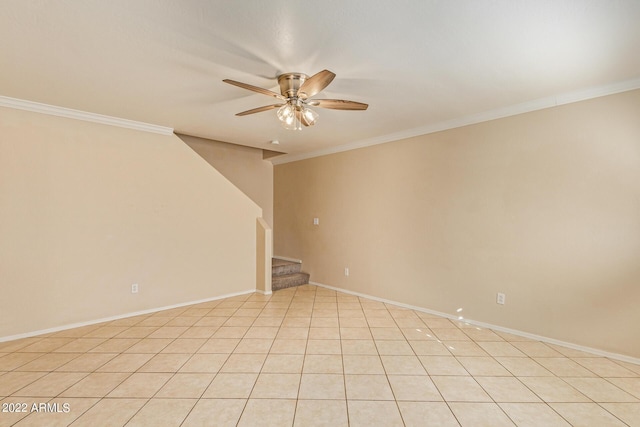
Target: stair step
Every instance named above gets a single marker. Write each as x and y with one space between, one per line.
289 280
281 267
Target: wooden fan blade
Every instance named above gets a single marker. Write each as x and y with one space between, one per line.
315 84
338 104
260 109
254 88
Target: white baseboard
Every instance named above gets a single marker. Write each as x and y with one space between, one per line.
299 261
120 316
594 351
264 292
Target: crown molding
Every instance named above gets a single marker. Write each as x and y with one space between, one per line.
525 107
52 110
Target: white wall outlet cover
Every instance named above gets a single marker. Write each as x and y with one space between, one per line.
316 221
500 298
134 288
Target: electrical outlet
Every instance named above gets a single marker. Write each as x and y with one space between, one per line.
316 221
134 288
500 298
346 271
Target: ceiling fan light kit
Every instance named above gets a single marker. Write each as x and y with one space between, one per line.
296 89
293 116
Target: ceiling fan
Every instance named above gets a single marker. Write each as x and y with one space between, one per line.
296 90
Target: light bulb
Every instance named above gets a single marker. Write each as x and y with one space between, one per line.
310 116
285 112
287 115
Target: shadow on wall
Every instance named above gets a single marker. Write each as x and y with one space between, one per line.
246 167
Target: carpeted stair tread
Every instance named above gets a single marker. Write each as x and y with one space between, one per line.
281 267
286 274
289 280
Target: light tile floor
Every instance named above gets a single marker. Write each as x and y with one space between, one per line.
307 356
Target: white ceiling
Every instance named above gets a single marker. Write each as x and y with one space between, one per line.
420 65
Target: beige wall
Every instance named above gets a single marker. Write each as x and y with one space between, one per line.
264 255
243 166
86 210
543 206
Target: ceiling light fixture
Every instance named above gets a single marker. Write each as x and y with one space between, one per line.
296 90
294 114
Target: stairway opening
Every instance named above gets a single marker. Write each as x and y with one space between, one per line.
286 274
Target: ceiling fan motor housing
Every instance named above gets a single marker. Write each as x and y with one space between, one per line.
290 83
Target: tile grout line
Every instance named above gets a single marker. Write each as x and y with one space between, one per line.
591 365
204 390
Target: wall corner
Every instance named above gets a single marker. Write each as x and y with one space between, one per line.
264 254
